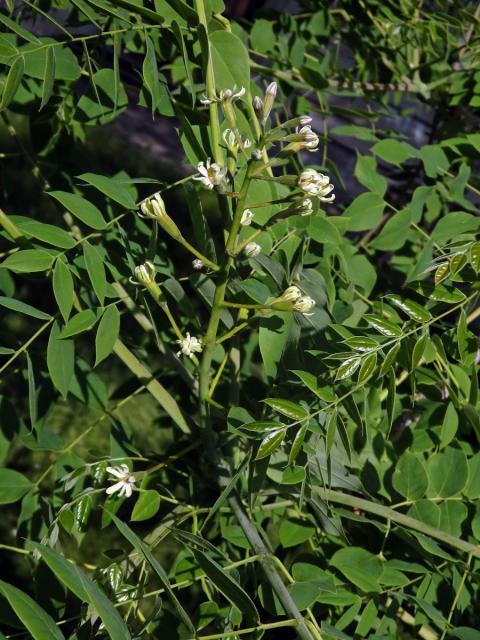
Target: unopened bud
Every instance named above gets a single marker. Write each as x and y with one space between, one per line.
247 217
145 273
252 250
257 103
270 95
154 209
301 121
198 264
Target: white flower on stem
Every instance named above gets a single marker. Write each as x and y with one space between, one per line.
224 96
247 217
316 184
211 174
304 305
252 250
189 346
198 264
310 138
145 273
124 486
246 144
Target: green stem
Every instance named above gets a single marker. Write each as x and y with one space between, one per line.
239 632
197 254
210 82
456 598
401 519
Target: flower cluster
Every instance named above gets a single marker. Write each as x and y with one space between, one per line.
189 346
293 298
316 184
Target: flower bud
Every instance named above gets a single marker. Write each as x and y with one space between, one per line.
257 103
252 250
291 294
247 217
198 264
145 273
154 209
301 121
270 95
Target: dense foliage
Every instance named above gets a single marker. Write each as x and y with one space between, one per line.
239 382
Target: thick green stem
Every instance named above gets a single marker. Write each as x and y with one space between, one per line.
211 94
401 519
268 566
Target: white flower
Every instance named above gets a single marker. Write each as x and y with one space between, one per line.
224 95
189 346
246 143
197 264
304 304
247 217
310 138
145 273
126 480
316 184
291 294
211 174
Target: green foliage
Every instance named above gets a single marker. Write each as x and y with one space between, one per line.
281 438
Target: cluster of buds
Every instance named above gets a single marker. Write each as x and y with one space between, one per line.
211 175
316 184
303 138
153 208
292 299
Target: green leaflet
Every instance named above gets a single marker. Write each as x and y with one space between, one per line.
35 619
86 590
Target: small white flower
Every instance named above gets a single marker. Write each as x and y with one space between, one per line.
247 217
211 174
316 184
189 346
300 121
198 264
246 143
257 154
124 486
252 249
310 138
224 95
304 304
145 273
291 294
